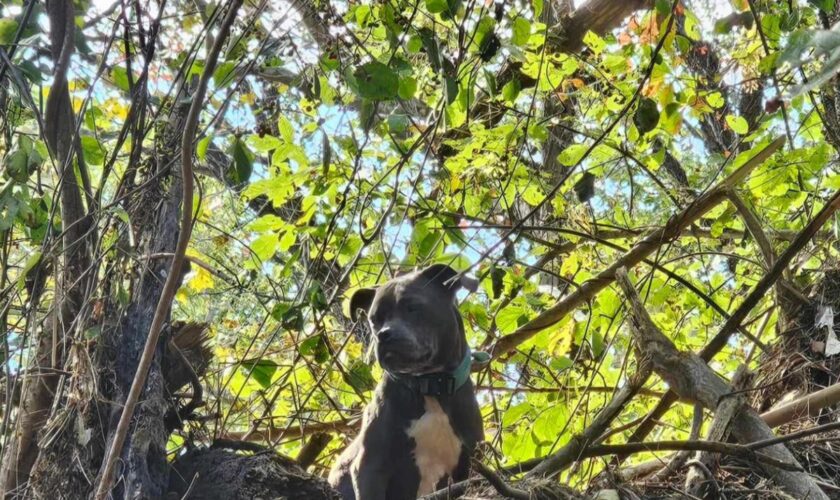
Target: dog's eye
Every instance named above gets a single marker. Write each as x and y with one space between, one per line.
412 307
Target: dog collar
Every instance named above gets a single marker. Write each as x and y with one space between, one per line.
443 383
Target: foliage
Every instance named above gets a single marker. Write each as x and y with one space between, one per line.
347 143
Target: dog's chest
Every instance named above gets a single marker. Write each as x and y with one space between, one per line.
437 449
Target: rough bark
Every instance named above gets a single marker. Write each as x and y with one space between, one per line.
218 474
38 390
689 377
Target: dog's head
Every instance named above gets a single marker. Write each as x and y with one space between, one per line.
414 321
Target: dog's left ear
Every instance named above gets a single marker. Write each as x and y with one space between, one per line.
445 276
361 299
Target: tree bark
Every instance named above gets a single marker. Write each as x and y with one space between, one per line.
72 272
689 377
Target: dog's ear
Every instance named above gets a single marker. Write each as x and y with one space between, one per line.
448 278
361 299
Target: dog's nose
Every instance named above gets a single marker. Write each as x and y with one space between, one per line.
385 334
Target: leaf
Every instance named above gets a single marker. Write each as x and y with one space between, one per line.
243 162
202 280
511 90
585 187
264 246
287 241
507 320
93 151
715 100
692 26
594 42
16 165
815 43
120 77
572 154
738 124
8 30
646 116
824 5
359 377
224 74
446 8
315 346
521 31
437 6
408 86
377 81
287 132
261 371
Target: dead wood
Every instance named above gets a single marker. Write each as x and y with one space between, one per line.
692 380
225 475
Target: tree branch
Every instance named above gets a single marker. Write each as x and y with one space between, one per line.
639 252
173 279
690 378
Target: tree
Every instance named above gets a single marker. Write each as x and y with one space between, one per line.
191 190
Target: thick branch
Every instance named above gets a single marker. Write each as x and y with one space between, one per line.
173 279
638 253
755 296
690 378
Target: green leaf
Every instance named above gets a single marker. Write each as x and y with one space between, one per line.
93 151
16 165
437 6
243 162
446 8
120 77
8 29
715 100
594 42
521 31
359 377
824 5
408 86
508 319
738 124
201 148
814 44
692 26
261 371
224 74
264 246
287 132
377 81
315 346
646 116
572 155
511 90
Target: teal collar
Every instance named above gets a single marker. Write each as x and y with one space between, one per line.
443 383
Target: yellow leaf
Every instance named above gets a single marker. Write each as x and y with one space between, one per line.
202 280
570 265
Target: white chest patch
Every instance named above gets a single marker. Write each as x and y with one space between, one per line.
437 448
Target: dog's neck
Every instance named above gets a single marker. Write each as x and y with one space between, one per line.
440 383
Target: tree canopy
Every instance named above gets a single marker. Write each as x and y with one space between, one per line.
538 145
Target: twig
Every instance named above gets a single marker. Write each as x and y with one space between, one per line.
498 483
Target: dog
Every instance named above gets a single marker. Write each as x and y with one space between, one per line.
419 431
